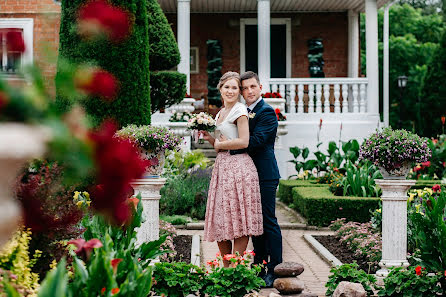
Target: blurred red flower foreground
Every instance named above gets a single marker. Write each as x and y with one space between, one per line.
118 163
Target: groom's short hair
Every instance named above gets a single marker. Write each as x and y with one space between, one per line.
248 75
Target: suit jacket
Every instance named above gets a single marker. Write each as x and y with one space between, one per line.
262 131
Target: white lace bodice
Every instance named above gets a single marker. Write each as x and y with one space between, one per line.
228 127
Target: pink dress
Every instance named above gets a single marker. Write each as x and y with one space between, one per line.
234 206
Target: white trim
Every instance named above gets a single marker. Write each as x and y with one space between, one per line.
27 25
274 21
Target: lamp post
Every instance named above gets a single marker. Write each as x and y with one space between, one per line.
402 83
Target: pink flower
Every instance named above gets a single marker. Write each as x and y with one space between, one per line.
436 188
84 248
114 263
229 257
98 17
426 164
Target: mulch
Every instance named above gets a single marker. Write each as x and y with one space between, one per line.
341 251
183 245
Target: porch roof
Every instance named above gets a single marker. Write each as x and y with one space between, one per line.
250 6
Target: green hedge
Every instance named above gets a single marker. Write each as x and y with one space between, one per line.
166 88
128 61
421 184
320 207
285 187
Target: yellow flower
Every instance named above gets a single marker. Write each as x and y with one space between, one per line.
88 203
429 190
79 203
86 195
378 210
411 197
417 208
76 195
420 192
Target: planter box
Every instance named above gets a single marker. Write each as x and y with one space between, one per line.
320 207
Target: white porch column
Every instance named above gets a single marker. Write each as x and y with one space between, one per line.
264 51
183 38
353 43
371 39
386 63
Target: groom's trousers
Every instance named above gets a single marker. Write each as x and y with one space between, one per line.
268 246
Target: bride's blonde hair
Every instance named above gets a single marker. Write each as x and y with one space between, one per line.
227 76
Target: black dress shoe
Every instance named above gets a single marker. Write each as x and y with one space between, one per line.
269 279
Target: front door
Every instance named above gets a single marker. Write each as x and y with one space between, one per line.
278 41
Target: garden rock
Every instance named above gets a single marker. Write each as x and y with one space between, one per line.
288 269
289 285
348 289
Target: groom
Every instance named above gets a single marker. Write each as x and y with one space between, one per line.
262 130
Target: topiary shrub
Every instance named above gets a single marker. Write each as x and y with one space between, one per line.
166 87
320 207
128 61
286 186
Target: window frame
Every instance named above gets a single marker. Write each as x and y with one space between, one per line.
27 26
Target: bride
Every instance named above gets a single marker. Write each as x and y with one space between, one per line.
234 210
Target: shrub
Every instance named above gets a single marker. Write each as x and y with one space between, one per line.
320 207
128 61
166 87
186 195
411 282
180 163
285 188
435 168
359 180
349 273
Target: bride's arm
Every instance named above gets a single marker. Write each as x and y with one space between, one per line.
241 142
207 136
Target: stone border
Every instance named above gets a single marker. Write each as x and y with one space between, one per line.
195 253
322 251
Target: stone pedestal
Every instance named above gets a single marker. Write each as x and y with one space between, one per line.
149 188
394 224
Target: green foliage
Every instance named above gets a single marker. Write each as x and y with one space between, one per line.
179 163
320 207
178 279
127 61
166 88
286 186
406 283
164 53
430 231
186 195
175 219
435 168
349 273
359 180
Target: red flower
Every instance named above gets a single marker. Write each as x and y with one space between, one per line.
114 263
97 82
418 270
264 262
443 119
115 291
98 17
229 257
426 164
320 124
15 42
133 201
277 111
103 291
436 188
445 273
84 249
118 163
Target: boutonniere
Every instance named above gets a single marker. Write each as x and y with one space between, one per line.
252 115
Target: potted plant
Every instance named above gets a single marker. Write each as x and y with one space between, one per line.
394 151
152 143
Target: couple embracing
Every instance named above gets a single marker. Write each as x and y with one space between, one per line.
242 193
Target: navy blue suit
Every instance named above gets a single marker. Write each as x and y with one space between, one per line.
263 130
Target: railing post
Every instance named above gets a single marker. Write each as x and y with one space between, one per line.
310 98
363 94
337 94
300 93
355 94
318 98
292 99
344 98
326 98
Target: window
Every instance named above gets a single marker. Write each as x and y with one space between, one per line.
12 61
194 56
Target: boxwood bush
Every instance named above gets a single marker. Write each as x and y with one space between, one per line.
128 61
285 186
320 207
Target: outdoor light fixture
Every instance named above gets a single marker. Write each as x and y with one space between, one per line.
402 81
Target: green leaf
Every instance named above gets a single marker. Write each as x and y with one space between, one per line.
55 283
295 151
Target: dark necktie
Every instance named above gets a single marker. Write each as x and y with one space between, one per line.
249 109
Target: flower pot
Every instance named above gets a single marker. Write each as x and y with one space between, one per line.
157 163
397 172
19 143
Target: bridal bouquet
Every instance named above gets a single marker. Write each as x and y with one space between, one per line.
201 122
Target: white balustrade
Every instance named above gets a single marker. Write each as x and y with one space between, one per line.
186 105
353 92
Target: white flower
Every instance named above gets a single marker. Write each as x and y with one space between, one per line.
186 117
252 115
200 121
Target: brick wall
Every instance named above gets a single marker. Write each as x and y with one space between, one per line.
331 27
46 15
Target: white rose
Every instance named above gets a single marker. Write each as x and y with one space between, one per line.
186 118
200 121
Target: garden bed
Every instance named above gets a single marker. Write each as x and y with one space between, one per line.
183 245
340 251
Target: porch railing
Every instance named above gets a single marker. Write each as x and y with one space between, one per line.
322 95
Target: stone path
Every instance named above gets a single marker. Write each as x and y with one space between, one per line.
295 249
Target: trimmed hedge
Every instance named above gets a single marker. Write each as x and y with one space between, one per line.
421 184
166 88
320 207
128 61
286 186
